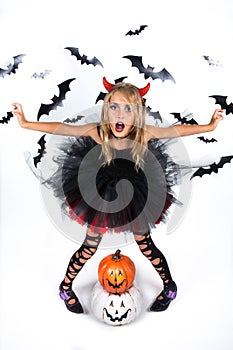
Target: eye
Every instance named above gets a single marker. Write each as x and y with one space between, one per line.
120 273
111 304
122 304
113 107
112 273
128 108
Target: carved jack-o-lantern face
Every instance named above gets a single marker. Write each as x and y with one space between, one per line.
115 278
116 273
116 309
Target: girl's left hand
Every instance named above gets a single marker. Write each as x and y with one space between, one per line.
216 118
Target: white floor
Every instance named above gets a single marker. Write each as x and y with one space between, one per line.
34 256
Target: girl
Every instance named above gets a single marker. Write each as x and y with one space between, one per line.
119 150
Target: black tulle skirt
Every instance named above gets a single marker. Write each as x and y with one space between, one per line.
115 197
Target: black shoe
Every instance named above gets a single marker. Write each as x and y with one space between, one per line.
168 294
66 296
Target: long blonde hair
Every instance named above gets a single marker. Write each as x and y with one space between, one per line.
137 134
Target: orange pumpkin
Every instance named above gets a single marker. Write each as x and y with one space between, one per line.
116 273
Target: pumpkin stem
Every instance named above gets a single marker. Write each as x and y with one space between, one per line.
116 256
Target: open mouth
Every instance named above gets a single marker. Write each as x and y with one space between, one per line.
119 126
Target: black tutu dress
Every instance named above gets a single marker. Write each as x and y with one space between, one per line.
117 197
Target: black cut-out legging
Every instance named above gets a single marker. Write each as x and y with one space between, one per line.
90 245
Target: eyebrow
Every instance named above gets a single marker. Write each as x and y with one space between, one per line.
120 103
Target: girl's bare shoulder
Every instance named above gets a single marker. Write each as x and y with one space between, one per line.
92 131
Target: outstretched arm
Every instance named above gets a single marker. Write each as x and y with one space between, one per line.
185 129
51 127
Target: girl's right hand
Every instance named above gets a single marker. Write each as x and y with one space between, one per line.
18 112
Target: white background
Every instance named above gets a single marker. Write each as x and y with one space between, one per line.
34 253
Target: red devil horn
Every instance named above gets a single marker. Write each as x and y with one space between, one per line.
144 90
108 86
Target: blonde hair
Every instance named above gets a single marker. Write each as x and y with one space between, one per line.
137 134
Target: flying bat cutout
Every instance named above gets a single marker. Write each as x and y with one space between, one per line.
73 120
211 61
148 71
41 150
64 87
102 95
83 58
137 31
6 119
155 115
206 140
41 75
212 168
186 119
11 68
222 101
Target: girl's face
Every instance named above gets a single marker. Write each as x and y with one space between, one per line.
121 115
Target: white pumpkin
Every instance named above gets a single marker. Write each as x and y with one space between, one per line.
116 309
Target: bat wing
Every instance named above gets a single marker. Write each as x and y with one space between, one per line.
142 27
137 31
73 120
201 171
41 150
17 60
7 71
224 160
74 51
100 97
206 58
34 75
155 115
184 120
119 80
190 121
64 87
11 68
46 72
162 75
94 61
177 116
213 168
136 61
6 119
83 58
130 32
206 140
221 100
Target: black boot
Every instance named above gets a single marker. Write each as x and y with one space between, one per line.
163 300
67 294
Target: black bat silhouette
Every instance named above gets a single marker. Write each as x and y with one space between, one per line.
149 71
73 120
102 95
41 75
41 150
137 31
57 100
206 140
11 68
212 168
155 115
83 58
222 101
211 61
6 119
184 120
